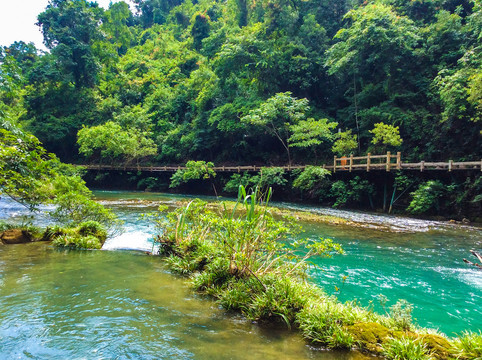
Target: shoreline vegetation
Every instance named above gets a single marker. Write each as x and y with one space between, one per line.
239 255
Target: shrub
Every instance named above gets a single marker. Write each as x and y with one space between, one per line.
352 191
88 235
426 197
194 170
311 179
232 186
269 177
92 228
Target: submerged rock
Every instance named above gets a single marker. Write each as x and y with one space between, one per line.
15 236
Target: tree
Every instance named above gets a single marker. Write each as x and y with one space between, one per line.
277 114
200 29
385 135
31 176
70 28
154 11
112 143
310 180
345 143
25 54
375 57
195 170
311 133
11 87
117 23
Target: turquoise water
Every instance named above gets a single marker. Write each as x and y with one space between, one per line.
126 305
426 269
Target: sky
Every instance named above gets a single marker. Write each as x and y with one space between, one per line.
18 18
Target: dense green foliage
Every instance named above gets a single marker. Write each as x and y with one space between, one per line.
87 235
247 81
33 177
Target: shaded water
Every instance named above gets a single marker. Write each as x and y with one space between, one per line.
123 304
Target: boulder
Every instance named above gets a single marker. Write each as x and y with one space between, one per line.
15 236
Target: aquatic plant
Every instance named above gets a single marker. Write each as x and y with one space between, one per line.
77 242
87 235
250 239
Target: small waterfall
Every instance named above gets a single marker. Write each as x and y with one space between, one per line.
131 240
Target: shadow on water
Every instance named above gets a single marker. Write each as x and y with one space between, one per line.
122 305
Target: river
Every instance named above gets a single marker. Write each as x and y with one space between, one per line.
121 304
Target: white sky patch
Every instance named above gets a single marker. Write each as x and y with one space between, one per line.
18 18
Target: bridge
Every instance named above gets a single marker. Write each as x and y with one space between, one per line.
387 162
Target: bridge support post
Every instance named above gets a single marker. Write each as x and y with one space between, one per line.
388 160
334 164
368 162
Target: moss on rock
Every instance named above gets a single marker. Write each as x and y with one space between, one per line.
15 236
437 345
370 336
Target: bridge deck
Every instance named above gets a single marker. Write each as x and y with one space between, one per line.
420 166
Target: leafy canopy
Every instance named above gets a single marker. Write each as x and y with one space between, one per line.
111 142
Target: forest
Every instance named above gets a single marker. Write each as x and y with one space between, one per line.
268 82
202 84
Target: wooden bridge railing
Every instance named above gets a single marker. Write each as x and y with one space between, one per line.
350 163
369 162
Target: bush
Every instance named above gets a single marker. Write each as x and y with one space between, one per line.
88 235
311 179
232 186
92 228
352 191
426 197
